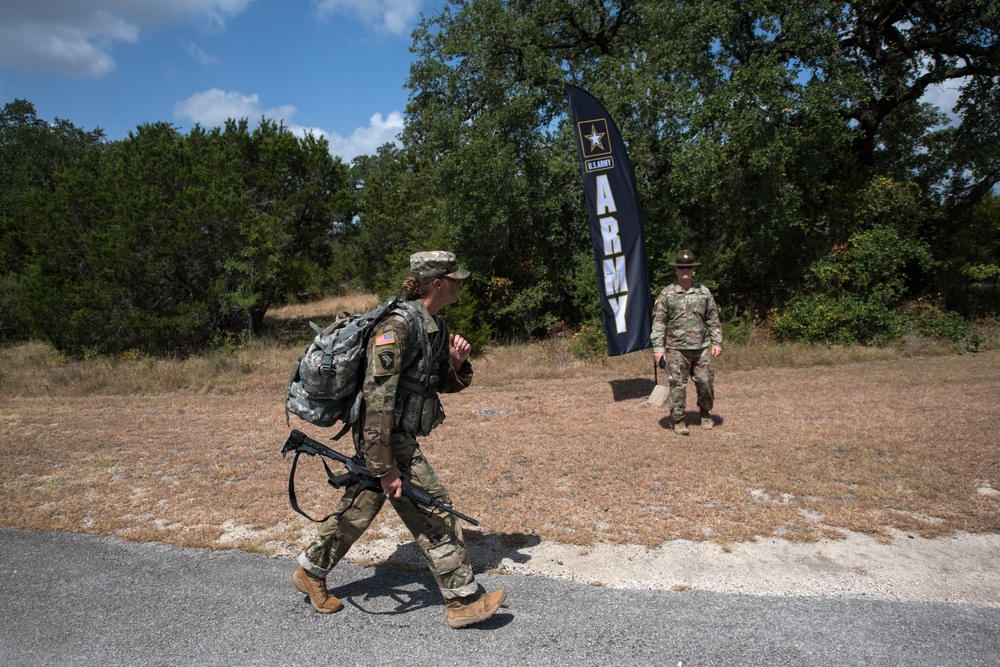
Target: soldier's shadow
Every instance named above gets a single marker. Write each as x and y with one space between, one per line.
692 418
389 591
402 582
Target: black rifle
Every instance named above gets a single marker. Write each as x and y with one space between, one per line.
357 473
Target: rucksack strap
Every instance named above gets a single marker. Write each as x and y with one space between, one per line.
292 380
427 377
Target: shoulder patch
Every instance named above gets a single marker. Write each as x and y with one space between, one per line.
387 358
388 338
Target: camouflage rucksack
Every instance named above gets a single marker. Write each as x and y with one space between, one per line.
325 385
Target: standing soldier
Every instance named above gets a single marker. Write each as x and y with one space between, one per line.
686 336
398 407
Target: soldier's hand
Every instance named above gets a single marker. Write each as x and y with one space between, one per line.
392 484
716 351
459 349
658 357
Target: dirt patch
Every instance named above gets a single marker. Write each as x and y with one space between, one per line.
564 463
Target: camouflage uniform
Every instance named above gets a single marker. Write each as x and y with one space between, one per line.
685 327
397 408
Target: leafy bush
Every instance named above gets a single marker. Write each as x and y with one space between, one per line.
845 319
739 326
853 294
928 319
976 293
589 342
465 319
528 312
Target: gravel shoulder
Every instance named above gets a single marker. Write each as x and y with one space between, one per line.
962 568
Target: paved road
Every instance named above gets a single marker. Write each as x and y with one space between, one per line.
68 599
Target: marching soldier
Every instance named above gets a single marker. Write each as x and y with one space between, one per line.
398 407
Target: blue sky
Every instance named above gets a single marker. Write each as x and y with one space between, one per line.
335 67
332 67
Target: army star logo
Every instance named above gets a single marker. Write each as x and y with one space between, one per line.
596 139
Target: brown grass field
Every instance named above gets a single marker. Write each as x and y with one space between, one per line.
809 442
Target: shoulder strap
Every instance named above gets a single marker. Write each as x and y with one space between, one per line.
374 318
416 319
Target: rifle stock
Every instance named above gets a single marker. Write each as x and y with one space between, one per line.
357 473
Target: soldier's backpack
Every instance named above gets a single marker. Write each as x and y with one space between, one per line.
325 386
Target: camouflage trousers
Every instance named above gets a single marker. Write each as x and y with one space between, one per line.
696 364
437 534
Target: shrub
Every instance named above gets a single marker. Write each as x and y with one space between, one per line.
739 326
589 342
465 318
845 319
853 294
929 319
13 326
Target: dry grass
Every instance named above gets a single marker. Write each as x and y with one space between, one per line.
289 324
809 441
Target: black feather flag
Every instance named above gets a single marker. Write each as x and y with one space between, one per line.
615 225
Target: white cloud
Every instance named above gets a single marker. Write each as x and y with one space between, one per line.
199 54
393 16
54 48
214 107
147 12
77 37
945 96
364 140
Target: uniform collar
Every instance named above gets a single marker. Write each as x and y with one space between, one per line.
429 320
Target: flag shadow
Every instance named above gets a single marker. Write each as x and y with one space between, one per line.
627 390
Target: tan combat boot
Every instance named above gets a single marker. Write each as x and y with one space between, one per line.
315 588
473 608
680 428
706 420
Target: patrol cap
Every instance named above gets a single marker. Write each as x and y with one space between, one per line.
685 258
436 264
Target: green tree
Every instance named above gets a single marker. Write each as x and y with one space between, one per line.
755 127
292 193
390 224
116 265
32 151
171 243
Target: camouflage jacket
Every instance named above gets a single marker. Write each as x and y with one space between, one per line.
685 319
395 401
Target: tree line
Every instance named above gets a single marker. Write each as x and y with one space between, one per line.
789 144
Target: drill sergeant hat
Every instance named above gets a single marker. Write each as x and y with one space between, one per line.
685 258
436 264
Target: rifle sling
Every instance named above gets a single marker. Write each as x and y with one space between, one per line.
330 477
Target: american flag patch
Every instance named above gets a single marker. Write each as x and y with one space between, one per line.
387 338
